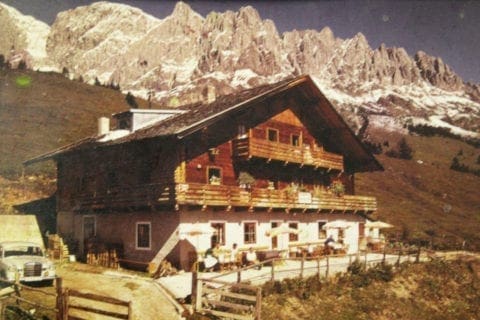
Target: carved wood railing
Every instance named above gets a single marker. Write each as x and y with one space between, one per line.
222 195
127 196
254 147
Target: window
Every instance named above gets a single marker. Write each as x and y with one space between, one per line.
295 139
249 233
272 135
322 232
293 236
242 131
219 233
214 175
143 235
275 224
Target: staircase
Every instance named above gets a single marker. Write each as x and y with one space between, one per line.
164 251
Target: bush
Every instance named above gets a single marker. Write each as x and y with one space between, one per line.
401 151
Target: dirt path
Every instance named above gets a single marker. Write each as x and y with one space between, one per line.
148 299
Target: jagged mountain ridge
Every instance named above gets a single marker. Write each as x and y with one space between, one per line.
183 53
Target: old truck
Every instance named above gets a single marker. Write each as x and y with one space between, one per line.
25 261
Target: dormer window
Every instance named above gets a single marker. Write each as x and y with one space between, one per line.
242 131
272 135
295 140
214 175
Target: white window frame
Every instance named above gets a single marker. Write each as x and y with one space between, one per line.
224 229
318 229
296 234
256 232
149 235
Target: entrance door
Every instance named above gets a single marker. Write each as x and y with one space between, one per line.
89 232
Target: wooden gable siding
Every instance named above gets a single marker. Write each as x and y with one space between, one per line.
219 157
114 173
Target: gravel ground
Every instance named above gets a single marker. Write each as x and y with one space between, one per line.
149 300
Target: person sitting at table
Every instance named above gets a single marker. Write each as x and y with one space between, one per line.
211 260
329 244
251 257
235 258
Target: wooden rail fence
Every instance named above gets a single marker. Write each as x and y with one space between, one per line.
240 300
65 303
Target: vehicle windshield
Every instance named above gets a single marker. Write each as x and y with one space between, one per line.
23 251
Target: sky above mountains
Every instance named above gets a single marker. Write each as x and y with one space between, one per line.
445 28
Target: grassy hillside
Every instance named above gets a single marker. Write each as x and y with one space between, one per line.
43 111
433 290
422 197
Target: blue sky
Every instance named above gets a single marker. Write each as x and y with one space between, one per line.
449 29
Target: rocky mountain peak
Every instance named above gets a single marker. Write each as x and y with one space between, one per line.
22 38
184 53
435 71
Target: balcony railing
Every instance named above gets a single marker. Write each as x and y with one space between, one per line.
231 196
254 147
206 195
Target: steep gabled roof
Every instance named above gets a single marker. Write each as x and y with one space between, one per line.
303 96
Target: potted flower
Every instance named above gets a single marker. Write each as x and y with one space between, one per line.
245 180
337 188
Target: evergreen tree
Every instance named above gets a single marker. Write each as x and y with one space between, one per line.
404 150
131 100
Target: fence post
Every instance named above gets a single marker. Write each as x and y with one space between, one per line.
198 299
258 306
399 256
366 259
130 311
239 276
273 270
328 266
384 254
318 268
194 288
65 304
302 264
417 258
59 301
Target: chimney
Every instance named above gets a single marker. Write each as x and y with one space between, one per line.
103 126
211 95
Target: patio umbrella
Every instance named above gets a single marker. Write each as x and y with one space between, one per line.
195 231
378 224
336 224
281 230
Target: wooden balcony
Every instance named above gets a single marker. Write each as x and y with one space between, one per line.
205 195
231 196
246 148
126 196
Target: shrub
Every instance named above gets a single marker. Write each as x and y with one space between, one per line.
401 151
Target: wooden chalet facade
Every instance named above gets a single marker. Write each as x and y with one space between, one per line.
227 171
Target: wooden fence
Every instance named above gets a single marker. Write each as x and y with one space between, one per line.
226 300
221 297
65 303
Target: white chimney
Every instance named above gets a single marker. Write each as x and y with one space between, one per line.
211 95
103 126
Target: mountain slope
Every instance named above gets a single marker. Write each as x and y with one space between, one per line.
184 53
49 112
